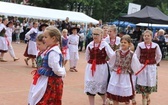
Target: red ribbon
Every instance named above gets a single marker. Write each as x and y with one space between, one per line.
119 70
146 62
35 77
93 68
64 49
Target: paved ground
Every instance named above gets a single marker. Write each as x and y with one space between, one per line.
15 79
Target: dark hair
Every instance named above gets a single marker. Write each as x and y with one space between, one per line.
10 22
4 19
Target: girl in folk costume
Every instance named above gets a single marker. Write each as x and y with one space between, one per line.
50 84
9 31
31 50
122 65
3 39
113 39
65 49
105 31
149 55
96 74
36 87
42 28
73 41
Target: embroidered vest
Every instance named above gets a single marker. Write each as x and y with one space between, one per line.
114 47
2 33
45 69
100 56
33 36
39 61
147 54
64 42
123 62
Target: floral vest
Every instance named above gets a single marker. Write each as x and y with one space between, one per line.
124 62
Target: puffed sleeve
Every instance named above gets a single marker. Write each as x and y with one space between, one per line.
109 50
87 53
27 35
111 61
135 64
137 51
158 54
53 62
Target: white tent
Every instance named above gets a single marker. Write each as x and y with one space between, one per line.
153 25
18 10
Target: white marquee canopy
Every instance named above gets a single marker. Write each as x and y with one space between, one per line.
18 10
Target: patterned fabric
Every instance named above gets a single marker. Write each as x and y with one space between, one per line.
119 98
53 94
45 69
123 62
94 86
146 89
100 55
114 47
39 61
147 54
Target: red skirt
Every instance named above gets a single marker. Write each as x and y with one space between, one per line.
28 55
53 94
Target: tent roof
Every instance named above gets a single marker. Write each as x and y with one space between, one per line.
122 23
18 10
146 15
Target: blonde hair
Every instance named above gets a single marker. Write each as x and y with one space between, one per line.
54 32
148 31
65 30
161 31
99 29
114 28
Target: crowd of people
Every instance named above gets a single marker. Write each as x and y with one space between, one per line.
117 68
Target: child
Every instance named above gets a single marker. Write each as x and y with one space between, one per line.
3 42
149 55
65 49
37 88
31 50
9 31
96 74
105 31
73 42
113 39
122 65
51 71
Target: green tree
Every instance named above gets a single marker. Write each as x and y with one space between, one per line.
163 7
